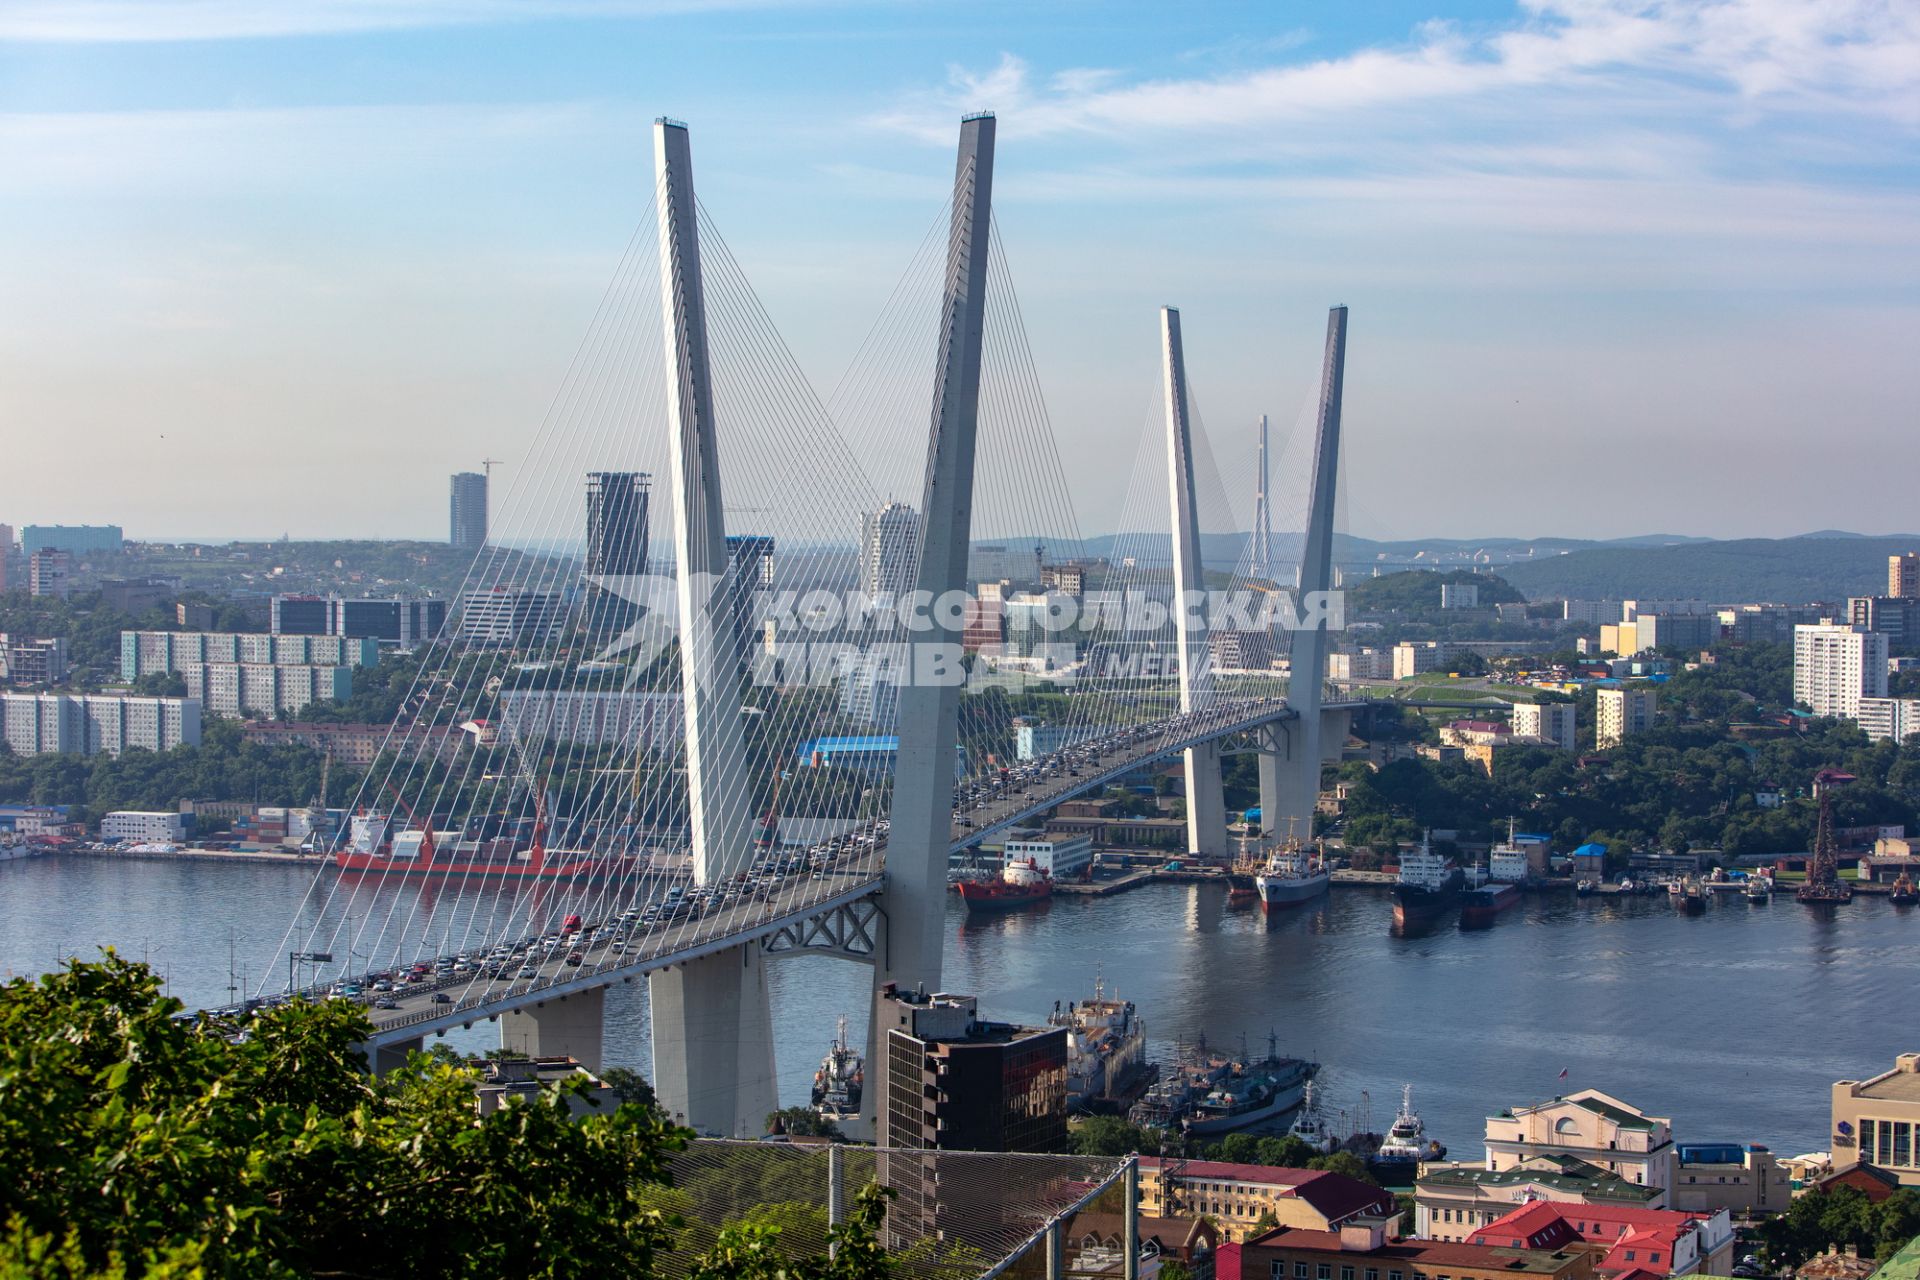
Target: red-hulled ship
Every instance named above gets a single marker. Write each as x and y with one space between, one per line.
413 852
1021 884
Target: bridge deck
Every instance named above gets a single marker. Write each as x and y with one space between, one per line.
464 999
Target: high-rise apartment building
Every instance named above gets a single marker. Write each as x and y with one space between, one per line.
31 660
501 617
74 539
1619 713
1551 721
49 573
467 511
236 689
1903 574
6 556
889 550
1895 617
1835 665
143 653
617 503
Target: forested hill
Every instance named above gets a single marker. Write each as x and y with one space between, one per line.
1785 570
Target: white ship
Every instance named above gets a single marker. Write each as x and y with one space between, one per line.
1310 1127
838 1083
1293 875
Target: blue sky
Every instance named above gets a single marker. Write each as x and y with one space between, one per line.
1615 265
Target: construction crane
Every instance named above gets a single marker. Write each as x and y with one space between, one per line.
489 464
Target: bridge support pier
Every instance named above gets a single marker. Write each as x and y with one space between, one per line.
1206 802
713 1042
383 1058
569 1025
1289 780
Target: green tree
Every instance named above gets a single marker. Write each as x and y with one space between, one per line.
1344 1162
802 1122
1109 1136
136 1143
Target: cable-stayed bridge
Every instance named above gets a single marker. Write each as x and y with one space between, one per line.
682 757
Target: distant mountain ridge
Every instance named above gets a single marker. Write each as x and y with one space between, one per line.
1824 567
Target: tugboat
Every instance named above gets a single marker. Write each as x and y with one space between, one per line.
1242 889
1107 1065
1291 877
1397 1162
838 1082
1310 1128
1020 885
1903 894
1429 883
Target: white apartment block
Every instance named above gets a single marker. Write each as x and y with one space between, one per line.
236 689
1412 659
1552 721
133 824
1590 610
1060 857
89 724
1896 718
889 551
632 719
1836 665
1621 713
1367 664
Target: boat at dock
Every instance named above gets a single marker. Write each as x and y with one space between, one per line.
1107 1067
1902 892
1759 888
1310 1127
1429 884
1481 905
1687 896
374 849
1398 1159
839 1082
1291 877
1209 1093
1019 884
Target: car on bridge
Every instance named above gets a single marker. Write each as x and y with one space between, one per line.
441 997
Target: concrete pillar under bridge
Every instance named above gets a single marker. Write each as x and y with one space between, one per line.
391 1057
713 1041
1289 785
570 1026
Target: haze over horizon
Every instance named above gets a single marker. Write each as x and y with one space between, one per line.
1616 266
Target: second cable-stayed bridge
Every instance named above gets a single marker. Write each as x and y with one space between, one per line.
661 865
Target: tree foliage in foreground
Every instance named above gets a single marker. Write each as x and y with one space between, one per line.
133 1145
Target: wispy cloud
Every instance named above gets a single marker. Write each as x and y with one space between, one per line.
1853 55
96 21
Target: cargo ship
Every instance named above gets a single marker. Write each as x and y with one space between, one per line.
1107 1067
373 848
1292 876
1481 905
1429 884
1021 884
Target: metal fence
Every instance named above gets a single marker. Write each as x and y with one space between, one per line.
955 1215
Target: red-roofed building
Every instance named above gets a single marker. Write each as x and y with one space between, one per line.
1623 1240
1236 1195
1366 1249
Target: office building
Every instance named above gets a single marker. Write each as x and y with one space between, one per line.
1550 721
1237 650
1895 718
29 660
1035 738
984 627
50 573
143 826
1619 713
193 616
498 616
890 552
6 557
1018 564
1453 1200
1593 611
1238 1196
1768 623
1835 665
1877 1121
1895 617
950 1081
145 653
75 539
137 595
1634 610
617 515
1063 857
236 689
1903 574
406 622
91 724
1459 595
1741 1178
1590 1126
1661 631
467 511
1369 1246
751 555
